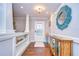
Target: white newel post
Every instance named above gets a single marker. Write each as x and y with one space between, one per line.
27 23
7 37
27 26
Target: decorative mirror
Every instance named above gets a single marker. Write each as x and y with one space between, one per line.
63 17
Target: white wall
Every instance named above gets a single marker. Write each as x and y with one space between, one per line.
20 23
73 29
2 20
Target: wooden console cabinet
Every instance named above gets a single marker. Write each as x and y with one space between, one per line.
64 47
61 47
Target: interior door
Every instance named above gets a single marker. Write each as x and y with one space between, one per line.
40 31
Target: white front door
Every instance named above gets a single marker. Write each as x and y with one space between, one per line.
39 31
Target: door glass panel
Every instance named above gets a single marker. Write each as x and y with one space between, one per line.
39 29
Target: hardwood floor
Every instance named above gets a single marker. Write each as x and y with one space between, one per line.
37 51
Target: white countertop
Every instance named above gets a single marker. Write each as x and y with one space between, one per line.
64 37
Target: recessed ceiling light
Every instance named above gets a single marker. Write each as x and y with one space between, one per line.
21 7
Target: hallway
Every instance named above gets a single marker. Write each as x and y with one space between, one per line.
24 25
37 51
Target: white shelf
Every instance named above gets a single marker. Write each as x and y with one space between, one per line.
65 37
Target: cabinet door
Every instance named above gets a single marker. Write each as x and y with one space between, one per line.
61 48
67 48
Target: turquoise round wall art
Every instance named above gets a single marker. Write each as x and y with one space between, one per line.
63 17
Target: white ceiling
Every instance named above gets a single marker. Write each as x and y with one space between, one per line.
28 8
